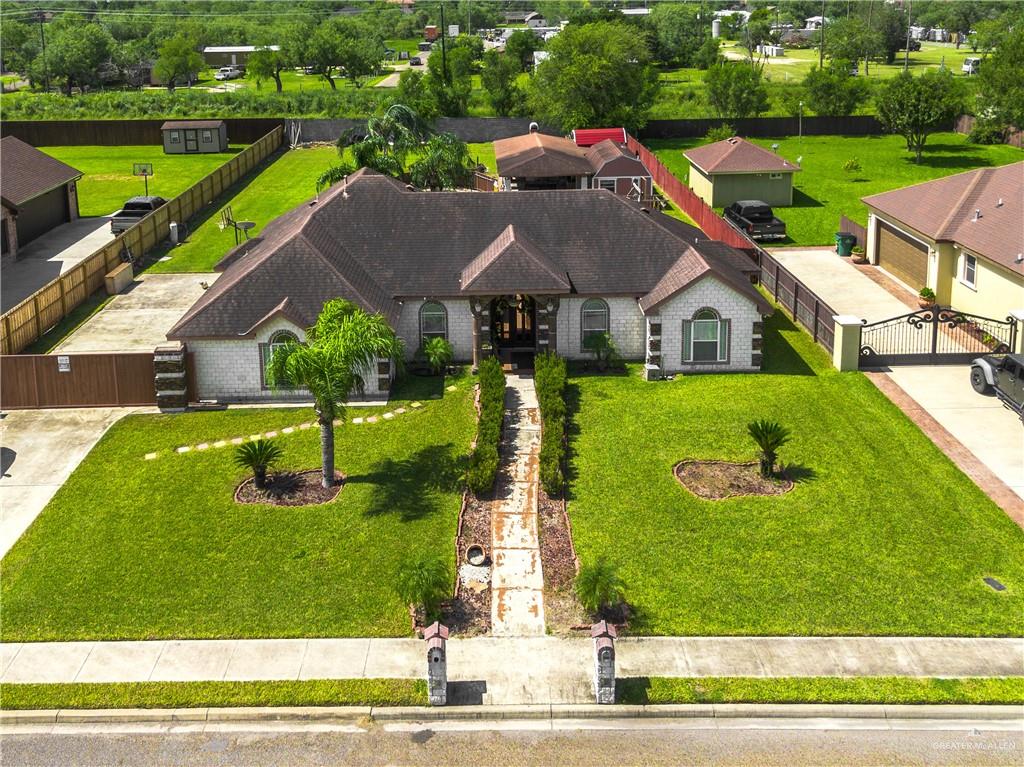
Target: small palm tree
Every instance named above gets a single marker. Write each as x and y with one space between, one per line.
439 354
258 456
341 348
602 347
769 436
599 586
424 582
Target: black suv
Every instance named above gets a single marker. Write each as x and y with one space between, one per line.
1002 374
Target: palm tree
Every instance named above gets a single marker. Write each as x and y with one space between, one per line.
343 346
389 139
769 436
599 586
444 163
439 354
258 456
424 582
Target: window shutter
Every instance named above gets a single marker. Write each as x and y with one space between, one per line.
723 340
687 336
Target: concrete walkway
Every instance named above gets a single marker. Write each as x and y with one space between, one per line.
40 449
840 283
517 582
495 670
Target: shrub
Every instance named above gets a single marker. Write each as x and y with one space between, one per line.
550 379
438 353
852 165
769 436
927 294
424 582
599 586
483 464
258 456
987 132
603 348
721 133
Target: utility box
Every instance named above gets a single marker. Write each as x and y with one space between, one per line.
436 637
119 278
603 634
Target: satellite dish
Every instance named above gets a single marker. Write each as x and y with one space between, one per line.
245 226
799 159
775 147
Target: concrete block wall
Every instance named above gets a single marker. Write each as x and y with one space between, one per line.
626 324
730 305
460 327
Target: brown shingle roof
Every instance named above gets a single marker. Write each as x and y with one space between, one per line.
375 242
737 155
178 124
617 158
538 155
694 265
944 210
26 173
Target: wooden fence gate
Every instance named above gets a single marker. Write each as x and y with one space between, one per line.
76 380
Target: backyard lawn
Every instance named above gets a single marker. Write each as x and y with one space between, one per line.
823 190
273 188
881 535
144 549
108 179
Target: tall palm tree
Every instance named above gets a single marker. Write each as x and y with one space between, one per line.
769 436
443 164
340 349
389 139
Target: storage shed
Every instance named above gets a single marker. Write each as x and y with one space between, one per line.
735 169
194 136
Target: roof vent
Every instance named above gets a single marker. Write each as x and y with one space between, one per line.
733 140
645 210
410 188
999 204
977 214
534 127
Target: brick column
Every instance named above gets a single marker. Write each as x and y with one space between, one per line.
547 324
436 636
170 378
480 308
653 368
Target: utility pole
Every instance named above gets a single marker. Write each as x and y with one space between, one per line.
444 50
906 51
41 18
821 39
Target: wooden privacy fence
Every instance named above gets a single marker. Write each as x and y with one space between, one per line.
713 225
24 323
76 380
858 231
241 130
803 304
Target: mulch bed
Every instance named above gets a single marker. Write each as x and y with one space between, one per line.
470 612
715 480
291 489
562 610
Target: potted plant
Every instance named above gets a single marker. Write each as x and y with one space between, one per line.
858 256
926 298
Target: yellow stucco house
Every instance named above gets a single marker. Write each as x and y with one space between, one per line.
735 169
962 236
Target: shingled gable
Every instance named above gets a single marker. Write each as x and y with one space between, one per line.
512 264
737 155
538 155
691 267
26 173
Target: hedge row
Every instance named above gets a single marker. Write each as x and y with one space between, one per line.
549 379
483 464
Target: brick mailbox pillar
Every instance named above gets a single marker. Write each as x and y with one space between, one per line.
603 634
170 378
436 637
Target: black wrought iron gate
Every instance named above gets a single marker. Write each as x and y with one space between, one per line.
934 337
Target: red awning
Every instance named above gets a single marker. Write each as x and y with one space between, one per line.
589 136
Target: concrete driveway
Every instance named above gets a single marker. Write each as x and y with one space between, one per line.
39 449
992 433
47 257
138 319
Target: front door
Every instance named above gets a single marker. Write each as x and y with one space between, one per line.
191 141
514 322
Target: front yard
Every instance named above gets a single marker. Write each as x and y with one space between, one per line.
108 179
145 549
881 535
823 191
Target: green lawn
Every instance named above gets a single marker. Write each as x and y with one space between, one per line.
137 549
108 179
823 190
285 180
292 80
882 535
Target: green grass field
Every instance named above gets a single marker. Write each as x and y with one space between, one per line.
275 187
882 534
137 549
108 179
823 190
292 80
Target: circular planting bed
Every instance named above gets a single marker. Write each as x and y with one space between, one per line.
289 488
715 480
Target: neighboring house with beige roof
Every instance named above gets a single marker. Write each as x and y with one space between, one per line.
962 236
505 274
736 169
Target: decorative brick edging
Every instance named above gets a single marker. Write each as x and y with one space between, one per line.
388 416
965 460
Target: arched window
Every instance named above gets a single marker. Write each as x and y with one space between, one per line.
706 337
278 340
433 321
594 319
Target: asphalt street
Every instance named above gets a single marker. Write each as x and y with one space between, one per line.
570 742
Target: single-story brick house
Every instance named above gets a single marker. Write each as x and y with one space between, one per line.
539 161
509 274
37 193
962 236
736 169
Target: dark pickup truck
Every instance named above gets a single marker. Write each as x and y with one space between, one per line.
756 219
133 211
1003 375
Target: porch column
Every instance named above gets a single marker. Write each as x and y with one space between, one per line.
652 364
846 343
547 324
480 308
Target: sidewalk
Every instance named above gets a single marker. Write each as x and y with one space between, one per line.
500 671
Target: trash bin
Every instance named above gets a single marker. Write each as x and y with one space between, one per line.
845 242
